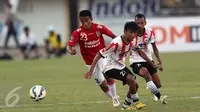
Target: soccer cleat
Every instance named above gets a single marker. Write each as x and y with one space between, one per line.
116 102
139 105
155 98
163 99
128 108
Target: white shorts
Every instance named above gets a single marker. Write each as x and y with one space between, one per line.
97 73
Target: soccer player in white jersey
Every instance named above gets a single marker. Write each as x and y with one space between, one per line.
140 66
114 67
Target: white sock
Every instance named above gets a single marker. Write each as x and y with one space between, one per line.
113 90
135 97
154 90
109 94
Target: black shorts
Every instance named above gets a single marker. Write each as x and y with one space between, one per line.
119 74
136 67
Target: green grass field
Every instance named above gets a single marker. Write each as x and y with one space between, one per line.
68 91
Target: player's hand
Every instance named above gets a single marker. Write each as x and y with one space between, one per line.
160 62
158 66
73 52
88 75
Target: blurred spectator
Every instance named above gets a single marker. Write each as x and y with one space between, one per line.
28 43
54 44
11 19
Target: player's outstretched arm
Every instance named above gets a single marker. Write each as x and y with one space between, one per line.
145 57
156 53
88 75
71 47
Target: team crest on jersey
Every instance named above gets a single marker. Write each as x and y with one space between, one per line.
98 33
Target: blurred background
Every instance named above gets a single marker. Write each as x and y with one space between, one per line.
175 22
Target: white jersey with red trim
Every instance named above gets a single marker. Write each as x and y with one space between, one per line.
143 41
116 53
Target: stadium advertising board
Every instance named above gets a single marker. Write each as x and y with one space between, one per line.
172 34
119 8
177 34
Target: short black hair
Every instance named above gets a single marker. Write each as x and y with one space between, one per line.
26 28
139 15
131 25
84 13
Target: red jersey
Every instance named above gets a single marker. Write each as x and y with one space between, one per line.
90 41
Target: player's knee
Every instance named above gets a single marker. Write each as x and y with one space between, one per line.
145 74
131 80
143 71
132 84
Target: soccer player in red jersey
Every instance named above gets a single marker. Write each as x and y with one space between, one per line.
90 38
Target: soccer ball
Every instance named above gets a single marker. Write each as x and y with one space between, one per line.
37 92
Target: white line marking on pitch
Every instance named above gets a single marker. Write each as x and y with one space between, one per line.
87 102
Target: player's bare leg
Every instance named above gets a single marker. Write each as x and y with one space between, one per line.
132 95
156 80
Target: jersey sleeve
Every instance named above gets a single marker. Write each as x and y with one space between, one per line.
74 38
107 51
152 37
104 30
